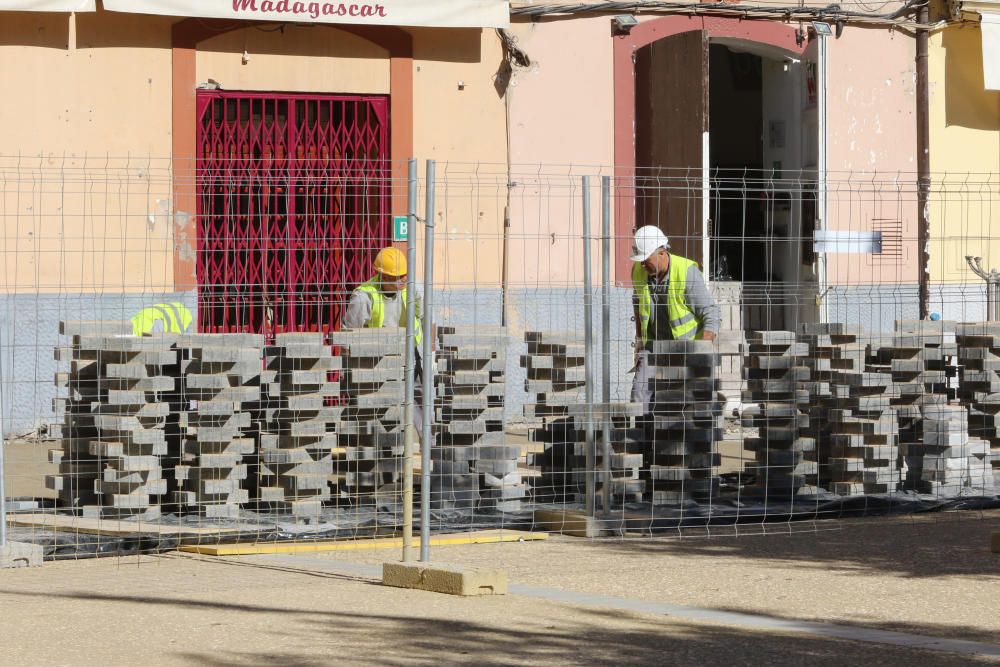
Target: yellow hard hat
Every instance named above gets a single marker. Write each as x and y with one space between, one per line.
390 262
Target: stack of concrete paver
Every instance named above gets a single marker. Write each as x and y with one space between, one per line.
220 382
297 424
834 355
864 431
564 461
776 388
916 356
113 433
685 422
629 447
472 457
555 367
952 463
979 384
371 429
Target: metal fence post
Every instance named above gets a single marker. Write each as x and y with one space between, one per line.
588 342
411 358
428 368
992 278
3 447
606 341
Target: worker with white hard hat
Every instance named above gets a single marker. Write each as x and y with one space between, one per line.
671 302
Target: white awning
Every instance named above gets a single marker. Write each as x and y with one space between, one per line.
990 24
48 5
431 13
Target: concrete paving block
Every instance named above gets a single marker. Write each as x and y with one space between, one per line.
228 355
382 348
772 337
448 579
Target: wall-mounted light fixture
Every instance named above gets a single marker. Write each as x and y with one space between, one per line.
622 24
822 28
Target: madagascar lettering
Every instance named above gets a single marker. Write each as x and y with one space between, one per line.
311 9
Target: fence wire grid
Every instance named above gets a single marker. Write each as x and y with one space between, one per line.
185 356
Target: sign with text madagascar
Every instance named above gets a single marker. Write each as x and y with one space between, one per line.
433 13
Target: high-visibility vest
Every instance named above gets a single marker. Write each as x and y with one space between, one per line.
175 316
684 324
371 288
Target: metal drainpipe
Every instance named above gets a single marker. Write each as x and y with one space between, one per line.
923 162
821 166
505 249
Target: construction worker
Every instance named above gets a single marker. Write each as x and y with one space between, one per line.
173 317
381 300
671 302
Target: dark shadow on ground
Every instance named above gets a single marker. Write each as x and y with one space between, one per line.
950 544
321 637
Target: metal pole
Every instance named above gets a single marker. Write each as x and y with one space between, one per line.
588 341
411 359
992 279
428 368
821 157
3 446
606 339
923 162
993 299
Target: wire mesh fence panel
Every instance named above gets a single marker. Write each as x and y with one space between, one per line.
210 353
170 374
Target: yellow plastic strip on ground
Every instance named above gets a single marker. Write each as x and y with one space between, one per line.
247 549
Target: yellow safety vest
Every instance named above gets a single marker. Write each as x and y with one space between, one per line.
684 324
371 288
175 316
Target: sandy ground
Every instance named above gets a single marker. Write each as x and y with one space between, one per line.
932 576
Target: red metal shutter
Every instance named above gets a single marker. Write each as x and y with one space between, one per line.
293 203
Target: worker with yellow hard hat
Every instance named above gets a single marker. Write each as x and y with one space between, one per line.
380 301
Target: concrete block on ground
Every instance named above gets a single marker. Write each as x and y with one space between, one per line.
25 554
449 579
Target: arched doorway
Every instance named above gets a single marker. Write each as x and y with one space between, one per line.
715 129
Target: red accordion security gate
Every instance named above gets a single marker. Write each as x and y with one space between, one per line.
293 203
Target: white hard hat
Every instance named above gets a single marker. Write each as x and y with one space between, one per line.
648 240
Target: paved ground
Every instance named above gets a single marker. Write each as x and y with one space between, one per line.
931 576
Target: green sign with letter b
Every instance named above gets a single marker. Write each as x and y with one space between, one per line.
400 227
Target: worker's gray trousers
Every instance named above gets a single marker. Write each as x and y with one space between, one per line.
418 398
641 392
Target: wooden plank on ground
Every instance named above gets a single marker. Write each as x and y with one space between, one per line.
246 549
